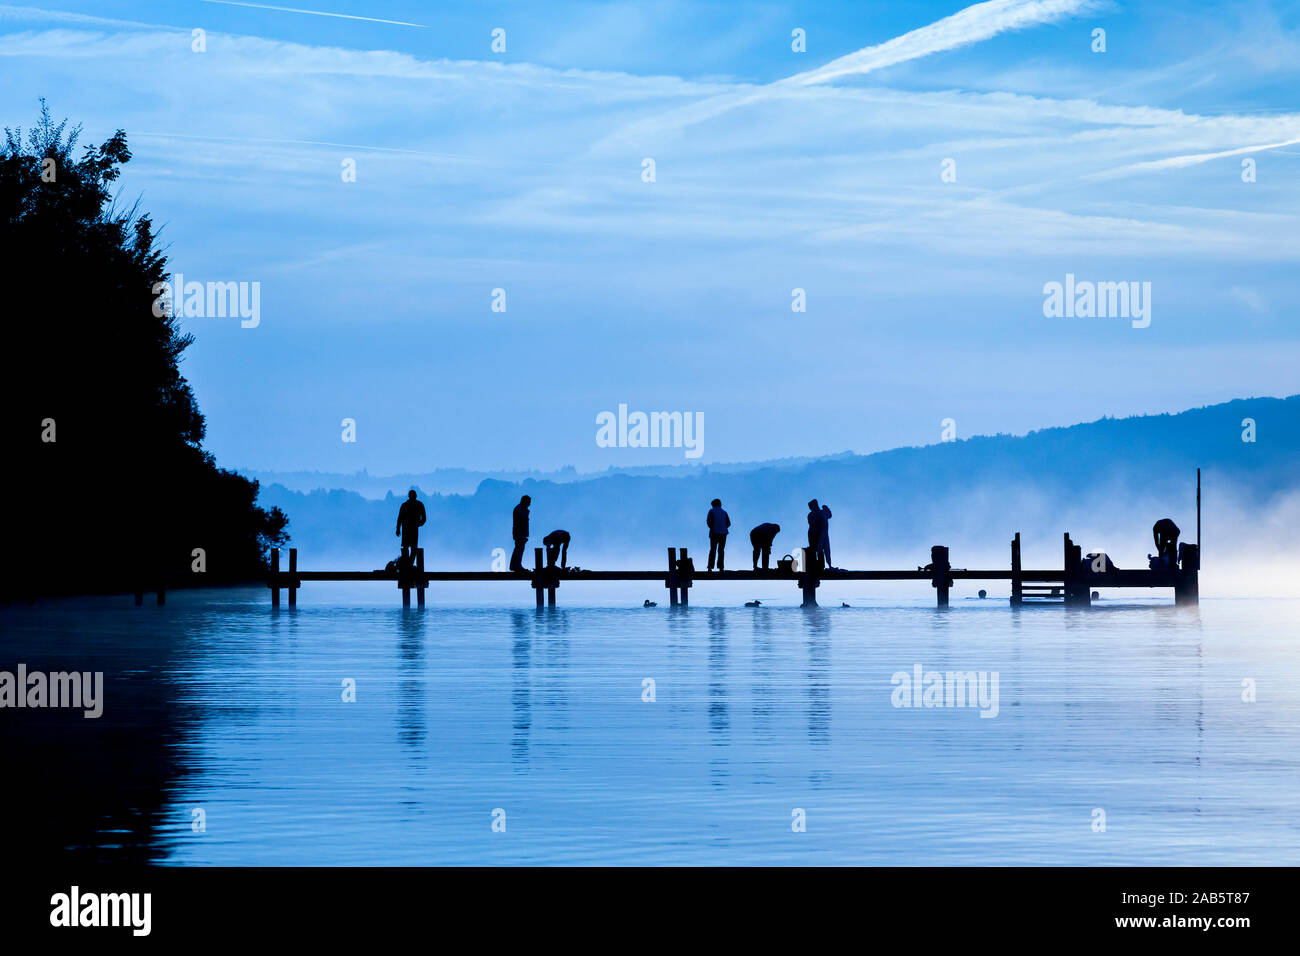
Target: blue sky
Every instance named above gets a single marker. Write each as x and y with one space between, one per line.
775 170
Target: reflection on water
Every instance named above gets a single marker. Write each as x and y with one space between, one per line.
410 690
521 635
213 703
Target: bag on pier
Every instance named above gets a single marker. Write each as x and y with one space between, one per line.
398 565
786 564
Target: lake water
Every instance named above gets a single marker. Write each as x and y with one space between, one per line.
772 736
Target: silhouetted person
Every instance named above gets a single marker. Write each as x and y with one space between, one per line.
557 544
718 521
824 539
520 533
409 519
1165 533
761 538
816 523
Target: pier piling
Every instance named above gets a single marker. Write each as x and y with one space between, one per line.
420 582
537 575
404 582
809 579
275 579
293 580
1077 590
683 579
1187 590
671 580
940 568
1017 579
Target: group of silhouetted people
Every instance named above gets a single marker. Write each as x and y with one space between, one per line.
556 543
411 517
762 536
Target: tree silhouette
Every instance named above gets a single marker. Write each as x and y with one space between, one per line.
107 485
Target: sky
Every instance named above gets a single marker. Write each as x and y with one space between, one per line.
921 171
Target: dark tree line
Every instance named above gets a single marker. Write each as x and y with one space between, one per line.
106 479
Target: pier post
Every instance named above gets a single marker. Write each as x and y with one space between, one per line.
808 580
672 577
404 582
683 583
1187 589
1077 593
139 597
537 574
420 582
275 579
293 577
1017 581
940 566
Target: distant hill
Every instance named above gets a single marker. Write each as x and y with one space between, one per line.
457 481
1104 481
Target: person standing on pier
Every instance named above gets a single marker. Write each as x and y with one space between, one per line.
557 545
1165 533
824 540
520 533
761 538
410 517
718 521
816 527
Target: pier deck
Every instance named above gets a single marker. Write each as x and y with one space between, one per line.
1072 584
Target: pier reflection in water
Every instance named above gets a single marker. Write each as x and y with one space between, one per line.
657 735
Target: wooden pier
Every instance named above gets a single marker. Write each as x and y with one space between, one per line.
1071 585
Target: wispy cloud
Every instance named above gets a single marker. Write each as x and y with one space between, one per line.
477 173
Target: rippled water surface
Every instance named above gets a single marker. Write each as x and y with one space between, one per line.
760 718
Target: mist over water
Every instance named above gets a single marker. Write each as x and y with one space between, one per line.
482 703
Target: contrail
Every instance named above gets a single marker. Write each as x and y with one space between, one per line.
315 13
1188 159
977 22
980 21
1192 159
